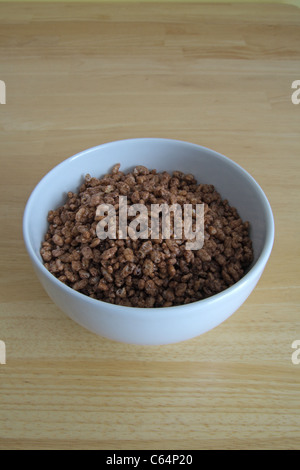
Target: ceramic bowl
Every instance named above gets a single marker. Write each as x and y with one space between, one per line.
151 326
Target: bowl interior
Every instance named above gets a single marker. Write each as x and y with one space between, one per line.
232 182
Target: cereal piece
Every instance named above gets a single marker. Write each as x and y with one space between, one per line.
57 240
79 285
46 254
145 249
108 254
128 254
115 168
150 287
102 285
76 265
87 252
128 269
148 267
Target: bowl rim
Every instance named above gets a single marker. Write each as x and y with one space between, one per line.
254 271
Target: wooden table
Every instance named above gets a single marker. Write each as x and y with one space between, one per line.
78 75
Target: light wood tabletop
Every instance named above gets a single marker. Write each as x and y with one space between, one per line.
78 75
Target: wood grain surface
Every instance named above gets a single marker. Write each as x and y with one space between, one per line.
78 75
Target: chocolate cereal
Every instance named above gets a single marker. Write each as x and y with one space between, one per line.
140 272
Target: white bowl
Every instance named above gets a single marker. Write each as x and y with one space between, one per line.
151 325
